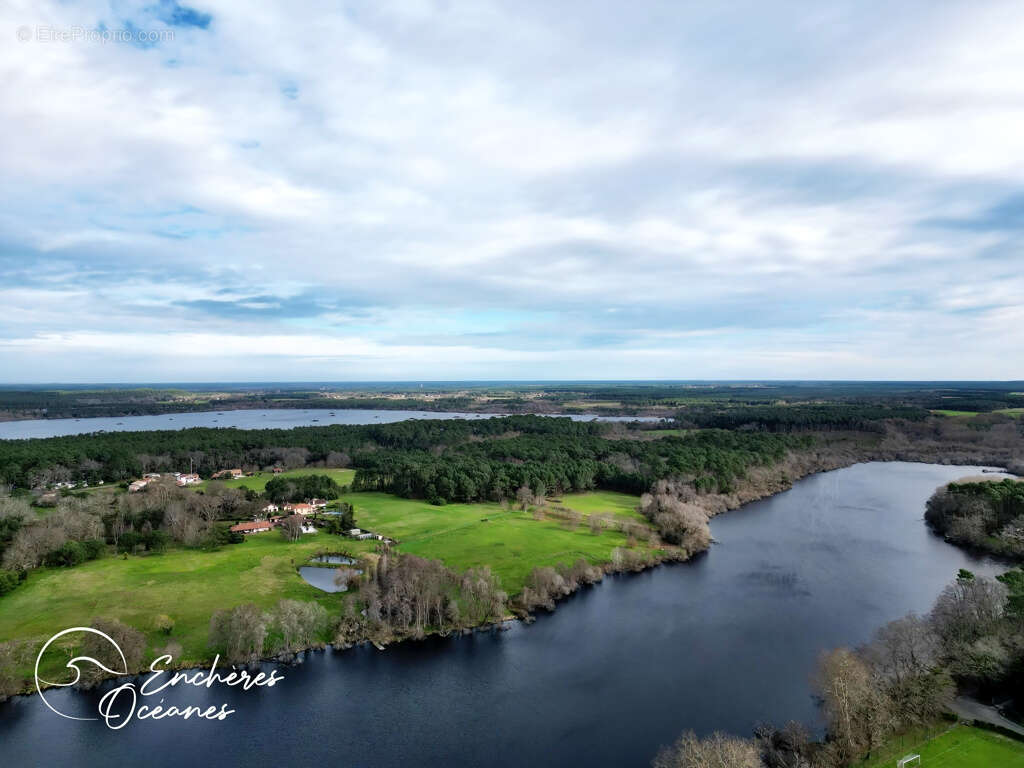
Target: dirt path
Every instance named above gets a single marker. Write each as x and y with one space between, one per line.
975 710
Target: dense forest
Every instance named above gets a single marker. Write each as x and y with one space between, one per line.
788 418
451 460
554 462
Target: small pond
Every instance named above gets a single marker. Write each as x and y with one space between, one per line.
322 578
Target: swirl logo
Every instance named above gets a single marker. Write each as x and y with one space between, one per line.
73 664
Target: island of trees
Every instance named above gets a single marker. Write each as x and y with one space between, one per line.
984 515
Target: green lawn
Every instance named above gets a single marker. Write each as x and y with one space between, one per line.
602 502
1015 412
258 482
943 412
665 432
960 747
511 542
187 585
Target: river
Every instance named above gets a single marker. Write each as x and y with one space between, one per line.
721 642
271 418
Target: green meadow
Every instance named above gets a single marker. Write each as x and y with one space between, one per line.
666 432
186 584
258 482
622 505
959 747
510 541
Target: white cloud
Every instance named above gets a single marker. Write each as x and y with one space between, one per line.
737 180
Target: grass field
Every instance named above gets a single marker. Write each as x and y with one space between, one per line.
600 502
190 585
258 482
511 542
187 585
942 412
665 432
960 747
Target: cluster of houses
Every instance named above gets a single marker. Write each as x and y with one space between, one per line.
270 519
230 474
180 479
71 486
305 508
259 526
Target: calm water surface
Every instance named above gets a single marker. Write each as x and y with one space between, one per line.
722 642
274 418
322 578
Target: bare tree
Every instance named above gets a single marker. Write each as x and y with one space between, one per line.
524 497
10 659
967 609
298 623
345 577
240 633
905 656
719 750
130 640
858 713
291 528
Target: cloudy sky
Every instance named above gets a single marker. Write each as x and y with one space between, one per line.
445 190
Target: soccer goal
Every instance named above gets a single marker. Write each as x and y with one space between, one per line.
908 761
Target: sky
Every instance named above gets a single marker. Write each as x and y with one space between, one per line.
331 191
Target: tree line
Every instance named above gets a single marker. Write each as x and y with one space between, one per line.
789 418
554 463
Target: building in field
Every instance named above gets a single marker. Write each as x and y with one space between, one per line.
299 509
230 474
190 479
257 526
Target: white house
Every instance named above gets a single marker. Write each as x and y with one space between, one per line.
255 527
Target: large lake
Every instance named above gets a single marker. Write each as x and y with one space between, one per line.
273 418
722 642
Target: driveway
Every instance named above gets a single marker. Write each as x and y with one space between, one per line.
969 709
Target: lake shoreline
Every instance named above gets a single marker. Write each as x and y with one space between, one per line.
256 419
614 413
799 466
790 558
